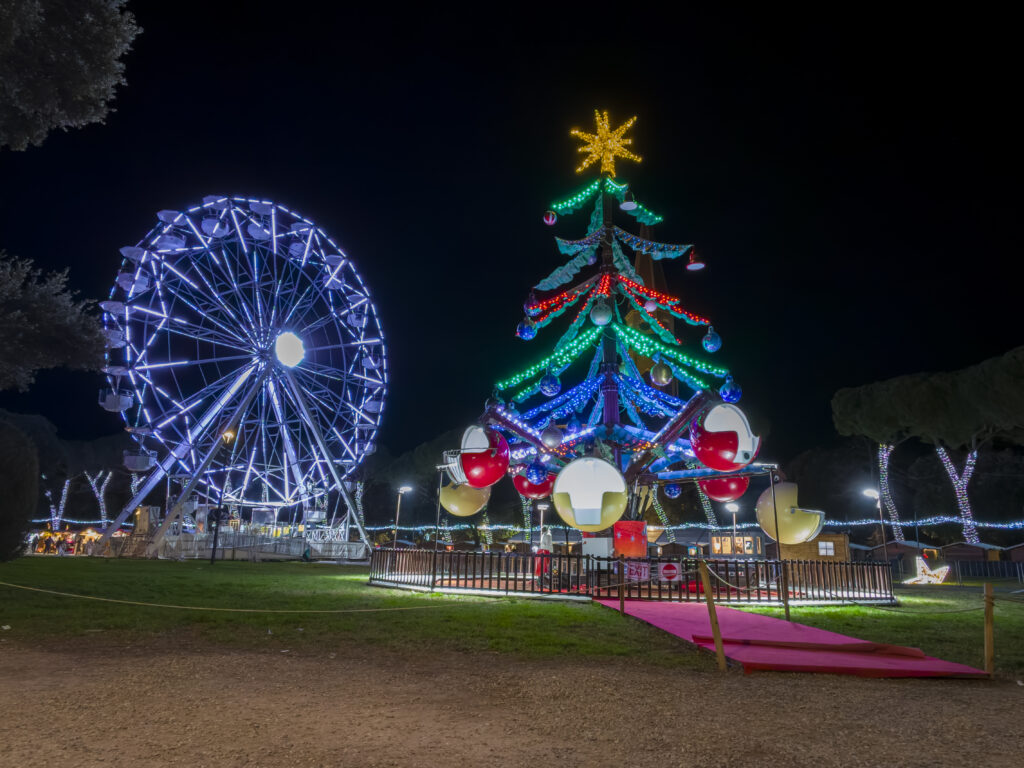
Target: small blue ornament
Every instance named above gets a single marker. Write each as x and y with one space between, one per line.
550 385
730 391
526 330
573 426
672 490
712 341
536 473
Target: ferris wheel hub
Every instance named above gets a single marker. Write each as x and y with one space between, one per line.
289 349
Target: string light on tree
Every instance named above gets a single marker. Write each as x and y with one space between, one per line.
960 483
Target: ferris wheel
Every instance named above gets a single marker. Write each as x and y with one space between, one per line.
245 355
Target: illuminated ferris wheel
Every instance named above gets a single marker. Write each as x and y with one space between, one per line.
246 356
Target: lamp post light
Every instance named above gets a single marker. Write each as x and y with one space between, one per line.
227 438
398 508
733 507
542 506
872 493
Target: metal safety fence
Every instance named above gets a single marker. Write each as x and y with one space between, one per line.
654 578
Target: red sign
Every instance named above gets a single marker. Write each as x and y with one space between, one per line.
630 538
636 571
668 572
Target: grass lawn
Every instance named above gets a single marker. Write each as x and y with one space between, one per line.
527 628
917 622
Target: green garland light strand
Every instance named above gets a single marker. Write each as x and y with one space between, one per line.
486 527
527 517
558 359
705 502
360 487
648 347
571 204
662 516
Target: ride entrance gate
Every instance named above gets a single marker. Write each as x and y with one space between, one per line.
575 576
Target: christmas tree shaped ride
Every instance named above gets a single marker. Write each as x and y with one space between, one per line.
619 428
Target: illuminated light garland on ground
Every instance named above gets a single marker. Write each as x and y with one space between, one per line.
559 359
926 575
884 453
960 484
605 144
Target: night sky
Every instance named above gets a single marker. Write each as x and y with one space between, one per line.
853 183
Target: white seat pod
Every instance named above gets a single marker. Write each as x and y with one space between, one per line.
590 494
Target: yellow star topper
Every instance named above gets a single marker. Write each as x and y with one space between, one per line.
606 144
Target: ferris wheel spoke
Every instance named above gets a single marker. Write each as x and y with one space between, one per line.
217 293
285 432
148 366
209 313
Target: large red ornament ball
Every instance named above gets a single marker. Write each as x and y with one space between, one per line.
550 218
722 439
534 490
486 467
724 488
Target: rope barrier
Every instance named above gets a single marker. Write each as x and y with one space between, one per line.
221 610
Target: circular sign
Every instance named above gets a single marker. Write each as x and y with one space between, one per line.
669 571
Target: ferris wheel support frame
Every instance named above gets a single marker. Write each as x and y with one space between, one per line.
174 512
350 515
172 457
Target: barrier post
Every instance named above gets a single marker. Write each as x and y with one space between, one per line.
990 640
622 579
784 587
716 632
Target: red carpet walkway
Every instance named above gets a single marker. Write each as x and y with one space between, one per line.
765 643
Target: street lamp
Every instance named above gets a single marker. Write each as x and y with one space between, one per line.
733 507
542 506
872 493
227 437
401 491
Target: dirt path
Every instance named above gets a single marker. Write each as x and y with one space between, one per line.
156 707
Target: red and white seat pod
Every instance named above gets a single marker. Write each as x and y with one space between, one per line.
483 458
722 439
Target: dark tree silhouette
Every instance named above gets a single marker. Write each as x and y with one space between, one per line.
60 61
19 477
42 324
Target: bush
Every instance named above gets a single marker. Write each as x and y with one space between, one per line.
19 484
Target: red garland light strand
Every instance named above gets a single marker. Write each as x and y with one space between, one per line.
666 302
